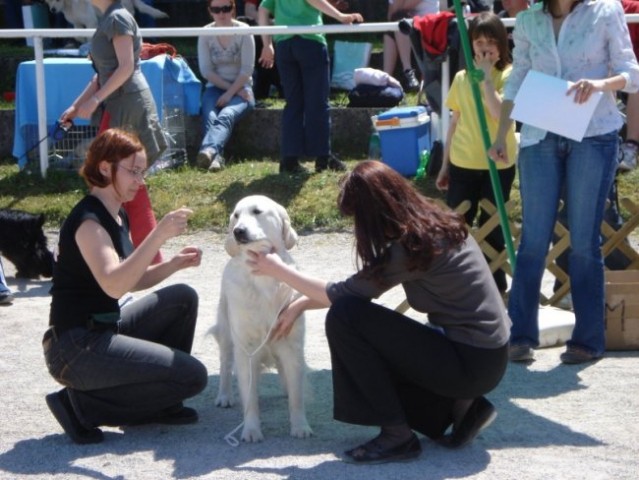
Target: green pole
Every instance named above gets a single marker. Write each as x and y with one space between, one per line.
475 76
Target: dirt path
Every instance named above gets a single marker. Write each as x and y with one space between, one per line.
554 421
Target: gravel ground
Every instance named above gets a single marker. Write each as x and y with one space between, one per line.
555 421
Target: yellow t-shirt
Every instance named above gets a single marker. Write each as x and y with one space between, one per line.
467 146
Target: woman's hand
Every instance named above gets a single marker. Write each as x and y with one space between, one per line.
188 257
267 57
443 178
174 223
264 263
68 115
246 94
584 88
223 100
348 18
286 320
498 151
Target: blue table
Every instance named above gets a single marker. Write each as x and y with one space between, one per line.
171 80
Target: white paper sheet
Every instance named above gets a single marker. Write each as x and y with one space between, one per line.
542 102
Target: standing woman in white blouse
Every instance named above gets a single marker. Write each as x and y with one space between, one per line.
226 62
587 43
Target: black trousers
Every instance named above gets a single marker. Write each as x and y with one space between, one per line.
475 185
390 369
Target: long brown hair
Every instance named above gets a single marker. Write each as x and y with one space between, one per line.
386 208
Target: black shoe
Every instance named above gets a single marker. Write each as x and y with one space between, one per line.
330 162
479 416
62 410
178 415
371 453
410 80
292 165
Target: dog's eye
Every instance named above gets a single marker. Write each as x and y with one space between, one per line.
256 211
236 215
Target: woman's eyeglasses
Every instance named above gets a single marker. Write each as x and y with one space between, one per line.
224 9
137 173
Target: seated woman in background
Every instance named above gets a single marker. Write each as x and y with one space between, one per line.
226 62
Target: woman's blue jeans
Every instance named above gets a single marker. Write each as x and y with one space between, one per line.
219 122
129 376
587 170
304 72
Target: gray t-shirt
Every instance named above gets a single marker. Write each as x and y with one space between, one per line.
116 21
230 61
457 292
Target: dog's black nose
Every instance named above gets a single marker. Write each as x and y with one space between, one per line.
241 235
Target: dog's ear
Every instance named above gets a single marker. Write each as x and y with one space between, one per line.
289 235
230 245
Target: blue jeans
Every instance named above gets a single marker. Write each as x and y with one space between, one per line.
3 281
587 170
219 122
304 71
132 375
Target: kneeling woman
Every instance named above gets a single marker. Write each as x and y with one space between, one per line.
388 369
129 365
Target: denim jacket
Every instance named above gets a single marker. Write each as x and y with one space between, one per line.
593 43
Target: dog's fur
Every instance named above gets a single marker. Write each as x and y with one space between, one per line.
249 306
24 244
82 14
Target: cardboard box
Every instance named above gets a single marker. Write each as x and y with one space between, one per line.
404 133
622 310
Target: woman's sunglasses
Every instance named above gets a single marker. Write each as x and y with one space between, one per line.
224 9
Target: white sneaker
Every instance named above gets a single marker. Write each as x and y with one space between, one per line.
204 158
628 156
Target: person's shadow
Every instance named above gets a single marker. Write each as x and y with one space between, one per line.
201 450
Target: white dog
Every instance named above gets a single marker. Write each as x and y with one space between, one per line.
82 14
249 306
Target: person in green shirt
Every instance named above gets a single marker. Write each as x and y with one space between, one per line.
303 65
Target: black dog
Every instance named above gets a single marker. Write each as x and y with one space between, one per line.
23 243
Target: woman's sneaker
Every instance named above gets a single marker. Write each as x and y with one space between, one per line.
628 156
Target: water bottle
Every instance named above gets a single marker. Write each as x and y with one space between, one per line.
424 158
374 147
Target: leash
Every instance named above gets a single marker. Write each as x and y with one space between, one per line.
230 437
57 133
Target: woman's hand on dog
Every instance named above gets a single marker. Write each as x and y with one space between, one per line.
264 263
286 318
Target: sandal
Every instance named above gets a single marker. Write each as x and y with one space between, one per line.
371 453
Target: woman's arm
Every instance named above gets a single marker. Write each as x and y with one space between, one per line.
443 176
271 264
327 9
267 55
499 151
72 111
117 277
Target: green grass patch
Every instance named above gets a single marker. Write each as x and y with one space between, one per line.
309 199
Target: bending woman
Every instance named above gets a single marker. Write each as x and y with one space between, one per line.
129 365
388 369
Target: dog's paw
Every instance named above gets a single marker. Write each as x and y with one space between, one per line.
252 434
224 401
301 430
